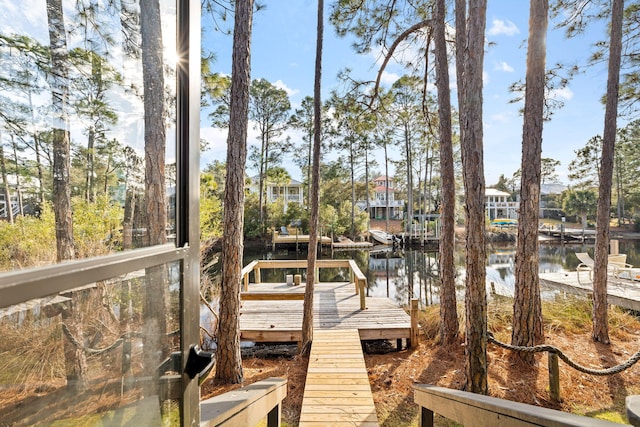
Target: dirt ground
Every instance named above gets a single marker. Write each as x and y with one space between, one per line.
392 376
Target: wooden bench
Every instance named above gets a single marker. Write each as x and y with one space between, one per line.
246 406
472 409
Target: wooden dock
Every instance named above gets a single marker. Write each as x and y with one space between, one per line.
296 239
621 292
276 314
568 234
337 390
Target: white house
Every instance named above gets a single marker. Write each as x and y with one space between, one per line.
291 192
498 206
378 203
15 205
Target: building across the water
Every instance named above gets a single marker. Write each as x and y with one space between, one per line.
378 204
291 192
498 205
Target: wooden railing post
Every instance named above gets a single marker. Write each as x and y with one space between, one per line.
554 377
426 417
361 285
274 417
633 409
414 323
246 282
256 272
352 278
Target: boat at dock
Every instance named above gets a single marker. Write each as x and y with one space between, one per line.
383 237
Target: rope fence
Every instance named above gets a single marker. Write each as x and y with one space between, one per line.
554 354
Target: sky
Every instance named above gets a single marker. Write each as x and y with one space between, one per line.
283 52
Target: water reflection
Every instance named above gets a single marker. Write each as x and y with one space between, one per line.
405 274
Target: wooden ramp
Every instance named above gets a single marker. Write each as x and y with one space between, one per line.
337 391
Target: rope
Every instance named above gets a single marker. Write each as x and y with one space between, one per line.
551 349
97 351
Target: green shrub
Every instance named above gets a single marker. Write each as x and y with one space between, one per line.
29 241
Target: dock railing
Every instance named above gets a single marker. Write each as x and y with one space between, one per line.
471 409
355 275
246 406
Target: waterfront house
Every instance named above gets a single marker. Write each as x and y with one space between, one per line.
378 203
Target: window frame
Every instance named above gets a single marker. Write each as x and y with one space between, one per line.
19 286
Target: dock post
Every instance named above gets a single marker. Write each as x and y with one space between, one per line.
256 273
614 247
363 304
554 377
273 241
414 323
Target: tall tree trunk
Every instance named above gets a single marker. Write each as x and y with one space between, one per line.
366 186
17 175
353 190
309 154
261 201
448 311
75 359
314 197
8 208
154 126
127 222
228 359
61 142
472 56
386 187
156 345
88 184
600 327
408 225
527 311
36 148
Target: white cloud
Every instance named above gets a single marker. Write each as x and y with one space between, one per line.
499 26
388 78
563 94
503 66
281 85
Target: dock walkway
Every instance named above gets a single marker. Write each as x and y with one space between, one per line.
337 390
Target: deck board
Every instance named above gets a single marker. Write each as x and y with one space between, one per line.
336 306
337 390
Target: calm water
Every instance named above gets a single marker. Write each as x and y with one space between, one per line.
404 274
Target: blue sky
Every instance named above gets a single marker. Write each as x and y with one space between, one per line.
283 52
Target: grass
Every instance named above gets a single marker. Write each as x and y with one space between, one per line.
567 325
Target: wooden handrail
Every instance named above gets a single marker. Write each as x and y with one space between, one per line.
246 406
472 409
249 267
359 279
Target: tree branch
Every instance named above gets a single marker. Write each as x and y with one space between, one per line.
392 48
